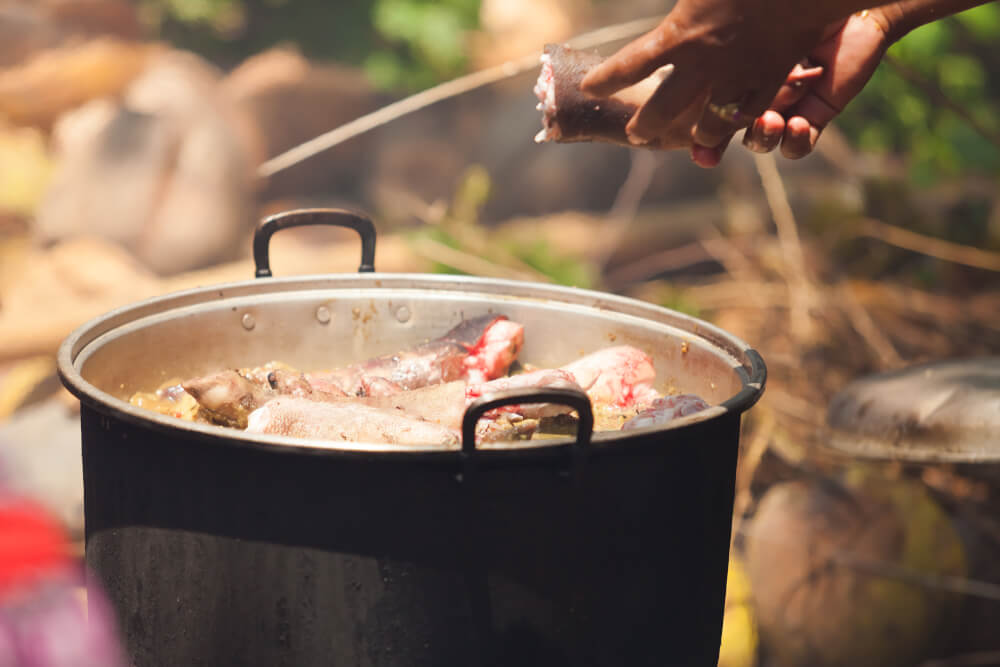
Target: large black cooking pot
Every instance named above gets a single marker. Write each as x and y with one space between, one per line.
219 547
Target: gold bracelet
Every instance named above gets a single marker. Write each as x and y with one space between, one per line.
866 14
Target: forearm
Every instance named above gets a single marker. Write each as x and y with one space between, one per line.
907 15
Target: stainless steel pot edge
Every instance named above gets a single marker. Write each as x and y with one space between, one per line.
750 368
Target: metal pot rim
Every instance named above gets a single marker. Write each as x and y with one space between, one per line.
747 362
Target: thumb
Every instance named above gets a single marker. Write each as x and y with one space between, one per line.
632 63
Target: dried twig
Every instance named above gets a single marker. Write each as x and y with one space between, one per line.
442 92
626 204
978 659
800 291
959 585
736 263
759 443
862 322
469 263
739 294
649 266
940 582
930 246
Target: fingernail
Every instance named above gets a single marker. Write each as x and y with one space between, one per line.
636 136
704 157
813 136
663 73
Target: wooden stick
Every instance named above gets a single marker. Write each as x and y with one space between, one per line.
930 246
977 659
799 287
442 92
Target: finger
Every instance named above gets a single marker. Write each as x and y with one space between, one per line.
799 138
810 116
669 99
815 109
804 72
632 63
709 157
712 128
764 135
795 87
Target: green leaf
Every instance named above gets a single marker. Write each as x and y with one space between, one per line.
982 21
961 76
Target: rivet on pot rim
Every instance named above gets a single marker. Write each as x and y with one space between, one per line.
403 313
248 321
323 315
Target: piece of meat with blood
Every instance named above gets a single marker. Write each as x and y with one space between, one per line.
346 420
446 403
621 376
482 347
570 115
495 351
665 409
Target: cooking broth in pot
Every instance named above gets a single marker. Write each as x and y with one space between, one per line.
419 395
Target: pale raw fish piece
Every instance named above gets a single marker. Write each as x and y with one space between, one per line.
442 404
347 421
621 375
664 409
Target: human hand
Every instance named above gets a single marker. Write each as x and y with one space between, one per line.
849 54
735 55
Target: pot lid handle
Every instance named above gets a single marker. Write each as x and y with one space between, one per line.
573 398
333 217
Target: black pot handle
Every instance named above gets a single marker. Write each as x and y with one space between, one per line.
573 398
313 216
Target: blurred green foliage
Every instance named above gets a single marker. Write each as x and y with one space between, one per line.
958 56
404 45
460 230
424 41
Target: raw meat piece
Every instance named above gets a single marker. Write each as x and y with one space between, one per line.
570 115
228 397
483 347
665 409
346 421
621 376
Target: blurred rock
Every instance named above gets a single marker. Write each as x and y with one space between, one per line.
289 101
61 288
29 26
40 88
25 165
511 29
823 557
167 174
40 447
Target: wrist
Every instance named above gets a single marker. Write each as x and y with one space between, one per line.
893 20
